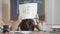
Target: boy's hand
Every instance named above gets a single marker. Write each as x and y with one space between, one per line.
37 17
19 18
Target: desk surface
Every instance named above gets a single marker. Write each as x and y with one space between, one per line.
36 33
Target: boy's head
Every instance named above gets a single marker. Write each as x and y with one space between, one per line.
27 25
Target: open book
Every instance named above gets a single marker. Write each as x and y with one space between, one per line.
28 10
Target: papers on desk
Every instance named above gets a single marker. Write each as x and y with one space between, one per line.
56 26
22 32
28 10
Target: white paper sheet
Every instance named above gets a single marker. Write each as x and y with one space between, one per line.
28 11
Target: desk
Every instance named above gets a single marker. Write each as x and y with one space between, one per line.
37 33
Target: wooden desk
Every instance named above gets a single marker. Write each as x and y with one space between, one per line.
37 33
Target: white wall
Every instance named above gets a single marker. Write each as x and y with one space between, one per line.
53 13
48 15
5 11
50 11
57 12
0 9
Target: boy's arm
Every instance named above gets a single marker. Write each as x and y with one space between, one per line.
15 24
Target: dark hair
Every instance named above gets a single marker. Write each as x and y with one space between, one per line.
27 25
